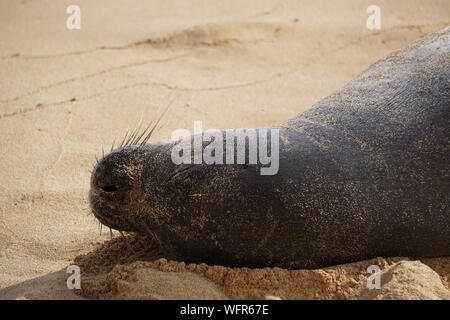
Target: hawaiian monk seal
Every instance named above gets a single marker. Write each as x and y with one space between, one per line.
363 173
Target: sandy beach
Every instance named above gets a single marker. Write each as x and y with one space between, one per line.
66 94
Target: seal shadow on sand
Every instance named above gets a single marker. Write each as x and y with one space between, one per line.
117 251
51 286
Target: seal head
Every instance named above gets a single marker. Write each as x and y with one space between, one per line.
116 193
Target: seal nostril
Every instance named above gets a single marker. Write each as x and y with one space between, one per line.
109 188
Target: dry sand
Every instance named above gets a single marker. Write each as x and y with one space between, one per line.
65 94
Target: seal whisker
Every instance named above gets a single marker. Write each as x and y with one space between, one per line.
147 133
145 140
143 133
138 137
150 133
112 145
132 136
129 138
136 133
124 139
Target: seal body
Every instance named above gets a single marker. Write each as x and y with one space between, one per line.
363 173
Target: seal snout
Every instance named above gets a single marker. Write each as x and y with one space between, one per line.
114 181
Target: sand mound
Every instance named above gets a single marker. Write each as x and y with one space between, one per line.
123 268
